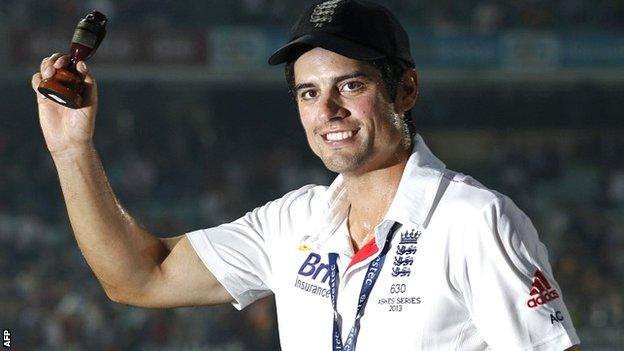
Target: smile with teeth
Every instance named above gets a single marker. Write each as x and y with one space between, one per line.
338 136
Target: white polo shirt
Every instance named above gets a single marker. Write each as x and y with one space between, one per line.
465 269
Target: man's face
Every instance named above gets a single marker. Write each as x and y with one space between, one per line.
348 119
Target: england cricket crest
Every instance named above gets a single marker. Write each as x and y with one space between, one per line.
405 251
324 12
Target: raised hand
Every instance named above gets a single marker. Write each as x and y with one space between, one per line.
66 129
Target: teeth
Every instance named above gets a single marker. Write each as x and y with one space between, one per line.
337 136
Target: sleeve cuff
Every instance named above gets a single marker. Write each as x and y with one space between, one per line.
559 342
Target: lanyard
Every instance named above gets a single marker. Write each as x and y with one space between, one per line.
372 273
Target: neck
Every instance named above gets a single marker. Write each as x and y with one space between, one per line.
370 195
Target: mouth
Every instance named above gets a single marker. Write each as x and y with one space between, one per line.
339 136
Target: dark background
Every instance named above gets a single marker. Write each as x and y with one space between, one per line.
194 129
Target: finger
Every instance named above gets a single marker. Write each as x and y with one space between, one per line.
36 79
47 65
41 65
61 62
46 61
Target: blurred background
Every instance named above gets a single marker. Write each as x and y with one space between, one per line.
195 129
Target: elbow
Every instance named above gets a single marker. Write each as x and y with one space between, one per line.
120 296
130 297
114 295
131 292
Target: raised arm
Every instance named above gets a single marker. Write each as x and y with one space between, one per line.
134 266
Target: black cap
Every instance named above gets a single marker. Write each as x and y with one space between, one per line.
356 29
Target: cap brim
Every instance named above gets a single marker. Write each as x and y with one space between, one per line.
297 47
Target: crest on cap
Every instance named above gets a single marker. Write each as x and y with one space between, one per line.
323 12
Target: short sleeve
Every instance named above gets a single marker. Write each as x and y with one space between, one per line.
508 285
240 254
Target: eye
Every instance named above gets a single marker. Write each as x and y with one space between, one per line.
353 85
308 94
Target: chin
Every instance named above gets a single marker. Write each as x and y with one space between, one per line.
345 160
343 164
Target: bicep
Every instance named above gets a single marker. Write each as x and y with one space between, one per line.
238 253
182 279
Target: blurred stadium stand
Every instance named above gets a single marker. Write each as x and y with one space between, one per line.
194 129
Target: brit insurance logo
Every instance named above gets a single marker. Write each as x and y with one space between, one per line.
541 291
312 275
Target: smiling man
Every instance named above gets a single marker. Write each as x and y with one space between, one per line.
398 253
351 122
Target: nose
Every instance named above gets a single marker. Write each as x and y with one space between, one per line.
331 107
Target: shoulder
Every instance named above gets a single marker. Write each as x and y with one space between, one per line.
465 195
488 224
475 207
295 205
310 195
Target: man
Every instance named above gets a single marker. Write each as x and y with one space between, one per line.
397 253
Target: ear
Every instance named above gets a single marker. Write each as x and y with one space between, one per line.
407 92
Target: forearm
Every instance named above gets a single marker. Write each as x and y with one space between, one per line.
120 252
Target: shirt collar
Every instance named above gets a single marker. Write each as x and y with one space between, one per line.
323 224
418 186
411 204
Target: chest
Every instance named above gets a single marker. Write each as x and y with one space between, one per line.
412 298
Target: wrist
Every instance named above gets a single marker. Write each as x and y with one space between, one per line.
73 153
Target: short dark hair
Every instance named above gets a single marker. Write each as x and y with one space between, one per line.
391 71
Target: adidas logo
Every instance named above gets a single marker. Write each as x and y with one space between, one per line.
541 291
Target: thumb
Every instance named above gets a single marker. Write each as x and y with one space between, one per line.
89 95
